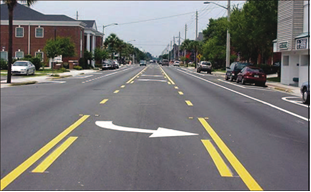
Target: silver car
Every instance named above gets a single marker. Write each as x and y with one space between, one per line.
205 66
23 67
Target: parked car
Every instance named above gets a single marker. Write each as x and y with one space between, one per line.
204 66
107 64
23 67
165 62
305 91
115 64
176 63
250 74
234 69
143 63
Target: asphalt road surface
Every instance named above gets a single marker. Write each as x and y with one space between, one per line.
152 128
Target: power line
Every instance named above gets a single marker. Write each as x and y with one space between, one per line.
155 19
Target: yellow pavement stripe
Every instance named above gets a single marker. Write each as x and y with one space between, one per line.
53 156
122 86
176 87
219 162
189 103
104 101
9 178
116 91
136 75
169 83
239 168
167 76
180 93
132 82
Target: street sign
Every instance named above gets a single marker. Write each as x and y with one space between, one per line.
199 56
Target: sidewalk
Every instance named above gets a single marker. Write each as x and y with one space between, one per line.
274 85
46 78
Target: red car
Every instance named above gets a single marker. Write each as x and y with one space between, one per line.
252 74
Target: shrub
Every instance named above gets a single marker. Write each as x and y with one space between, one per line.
3 64
83 63
77 67
98 65
36 62
64 69
66 65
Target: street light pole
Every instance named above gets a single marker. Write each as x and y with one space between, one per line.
228 34
104 26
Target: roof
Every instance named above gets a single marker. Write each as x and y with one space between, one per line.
89 23
305 34
22 12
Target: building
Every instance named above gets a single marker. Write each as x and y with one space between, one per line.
31 30
293 41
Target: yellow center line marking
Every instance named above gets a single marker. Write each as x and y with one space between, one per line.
9 178
167 76
176 87
53 156
189 103
116 91
239 168
132 82
104 101
180 93
122 86
219 162
136 75
169 83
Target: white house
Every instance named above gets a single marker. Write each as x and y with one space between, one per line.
293 41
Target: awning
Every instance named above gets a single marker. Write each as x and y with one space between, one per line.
305 34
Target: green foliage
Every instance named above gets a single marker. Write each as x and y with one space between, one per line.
83 63
3 64
27 56
99 54
64 69
66 65
37 62
77 67
61 46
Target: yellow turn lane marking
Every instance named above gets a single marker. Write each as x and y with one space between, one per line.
172 82
180 93
116 91
53 156
9 178
131 80
104 101
219 162
189 103
239 168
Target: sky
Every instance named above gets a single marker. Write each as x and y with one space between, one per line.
151 36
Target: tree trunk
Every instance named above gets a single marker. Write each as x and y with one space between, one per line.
10 43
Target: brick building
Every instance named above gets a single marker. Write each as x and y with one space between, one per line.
31 30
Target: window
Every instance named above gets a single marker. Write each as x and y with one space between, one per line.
19 32
39 55
19 54
4 55
39 32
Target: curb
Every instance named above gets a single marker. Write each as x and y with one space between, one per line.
23 83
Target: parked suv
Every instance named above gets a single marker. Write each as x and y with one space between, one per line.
205 66
165 62
234 69
305 92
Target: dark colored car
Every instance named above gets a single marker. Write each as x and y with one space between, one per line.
250 74
115 64
107 64
305 91
205 66
234 69
143 63
165 62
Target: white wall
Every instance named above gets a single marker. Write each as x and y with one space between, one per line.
305 16
303 74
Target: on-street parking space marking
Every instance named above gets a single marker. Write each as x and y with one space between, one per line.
47 162
239 168
180 93
9 178
247 96
116 91
189 103
299 102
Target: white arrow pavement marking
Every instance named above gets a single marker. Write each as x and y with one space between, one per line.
160 132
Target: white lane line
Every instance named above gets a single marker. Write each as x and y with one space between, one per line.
230 83
294 101
158 80
105 75
81 77
152 75
255 99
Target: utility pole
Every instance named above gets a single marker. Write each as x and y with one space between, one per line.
77 16
196 25
178 45
170 50
185 31
174 48
228 39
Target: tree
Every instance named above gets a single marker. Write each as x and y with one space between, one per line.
100 54
11 4
111 43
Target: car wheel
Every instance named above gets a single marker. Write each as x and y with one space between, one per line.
226 77
198 71
34 71
237 80
231 78
305 96
243 81
27 73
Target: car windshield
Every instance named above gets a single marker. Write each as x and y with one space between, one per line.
142 61
20 64
242 65
205 63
